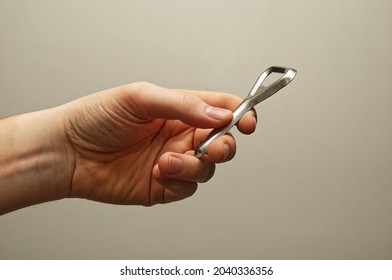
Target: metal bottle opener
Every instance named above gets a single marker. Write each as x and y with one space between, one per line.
258 93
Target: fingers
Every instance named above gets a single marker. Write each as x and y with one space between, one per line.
148 102
187 167
246 125
248 122
184 167
201 109
222 149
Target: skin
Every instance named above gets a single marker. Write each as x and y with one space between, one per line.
128 145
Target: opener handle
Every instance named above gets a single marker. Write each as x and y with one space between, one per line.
238 113
258 93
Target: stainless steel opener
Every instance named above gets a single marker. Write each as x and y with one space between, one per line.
258 93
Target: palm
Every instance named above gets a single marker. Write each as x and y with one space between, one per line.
115 165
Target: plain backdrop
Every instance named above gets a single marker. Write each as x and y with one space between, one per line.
313 182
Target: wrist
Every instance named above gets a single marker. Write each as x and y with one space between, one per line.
35 162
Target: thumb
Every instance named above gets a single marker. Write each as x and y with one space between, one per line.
149 102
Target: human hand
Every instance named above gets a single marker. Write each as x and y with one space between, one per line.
134 144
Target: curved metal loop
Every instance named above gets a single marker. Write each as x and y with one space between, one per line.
258 93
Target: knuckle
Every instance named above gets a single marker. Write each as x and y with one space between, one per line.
143 87
191 100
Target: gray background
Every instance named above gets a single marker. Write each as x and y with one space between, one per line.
313 182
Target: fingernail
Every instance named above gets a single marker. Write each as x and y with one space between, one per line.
175 164
217 113
227 150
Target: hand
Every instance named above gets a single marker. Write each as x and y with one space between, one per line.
134 144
